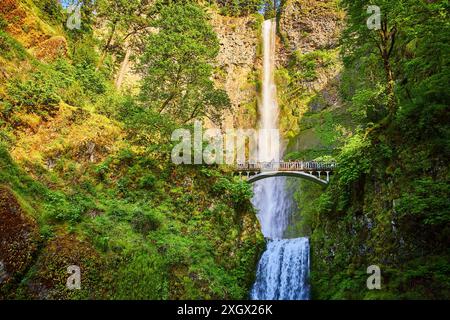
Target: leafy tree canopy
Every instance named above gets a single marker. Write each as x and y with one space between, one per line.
177 66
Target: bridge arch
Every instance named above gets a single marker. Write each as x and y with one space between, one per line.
297 174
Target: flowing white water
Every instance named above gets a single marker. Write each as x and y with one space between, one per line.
283 269
270 196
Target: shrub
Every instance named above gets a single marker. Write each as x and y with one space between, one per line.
36 94
83 52
428 201
238 192
3 23
9 47
92 81
60 209
354 159
147 181
144 221
51 10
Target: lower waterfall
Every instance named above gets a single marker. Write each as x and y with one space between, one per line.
283 271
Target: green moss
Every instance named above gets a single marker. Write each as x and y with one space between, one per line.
10 48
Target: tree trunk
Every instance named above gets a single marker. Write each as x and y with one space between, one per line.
386 48
389 86
123 68
106 47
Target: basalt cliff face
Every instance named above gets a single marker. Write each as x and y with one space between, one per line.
308 25
237 67
309 67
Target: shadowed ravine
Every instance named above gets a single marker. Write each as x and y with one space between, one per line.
283 270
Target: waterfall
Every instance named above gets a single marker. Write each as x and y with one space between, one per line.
284 267
283 271
270 196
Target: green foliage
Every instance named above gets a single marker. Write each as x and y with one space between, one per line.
240 7
176 66
51 10
44 88
126 22
146 221
66 208
11 174
10 48
238 191
429 277
141 278
428 202
3 23
303 104
354 159
36 94
367 104
307 63
82 53
91 80
140 227
388 202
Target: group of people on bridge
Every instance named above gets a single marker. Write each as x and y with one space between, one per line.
287 166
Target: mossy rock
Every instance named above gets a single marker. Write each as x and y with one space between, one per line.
49 276
52 49
18 238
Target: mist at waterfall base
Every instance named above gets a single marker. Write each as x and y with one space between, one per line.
283 269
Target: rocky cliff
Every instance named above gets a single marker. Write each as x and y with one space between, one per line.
308 25
40 39
308 68
236 69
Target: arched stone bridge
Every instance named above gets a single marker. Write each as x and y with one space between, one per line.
318 172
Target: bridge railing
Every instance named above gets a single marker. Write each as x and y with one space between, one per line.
287 166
